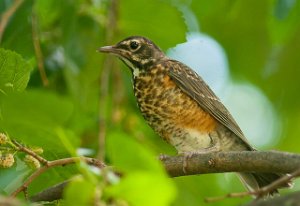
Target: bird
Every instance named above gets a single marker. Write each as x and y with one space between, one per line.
181 108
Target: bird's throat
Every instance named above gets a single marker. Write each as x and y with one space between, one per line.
135 70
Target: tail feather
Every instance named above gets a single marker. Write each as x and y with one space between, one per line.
254 181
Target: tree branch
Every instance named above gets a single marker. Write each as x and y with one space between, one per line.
245 161
262 161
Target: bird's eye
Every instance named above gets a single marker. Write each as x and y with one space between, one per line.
134 45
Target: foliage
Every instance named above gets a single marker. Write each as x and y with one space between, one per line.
261 39
15 71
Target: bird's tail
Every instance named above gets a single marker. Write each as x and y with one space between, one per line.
254 181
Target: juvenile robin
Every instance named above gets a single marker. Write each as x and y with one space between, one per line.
180 106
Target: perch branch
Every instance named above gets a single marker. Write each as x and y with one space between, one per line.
263 161
245 161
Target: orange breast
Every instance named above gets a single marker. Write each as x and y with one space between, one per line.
196 118
188 113
169 110
168 82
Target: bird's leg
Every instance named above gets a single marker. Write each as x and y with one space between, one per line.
215 147
162 157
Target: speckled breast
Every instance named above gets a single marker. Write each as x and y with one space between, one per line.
167 109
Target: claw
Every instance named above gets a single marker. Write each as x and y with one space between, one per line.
186 156
162 157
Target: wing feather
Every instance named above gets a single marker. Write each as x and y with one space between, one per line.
194 86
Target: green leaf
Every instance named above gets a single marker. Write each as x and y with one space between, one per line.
79 192
143 173
32 118
14 71
13 177
144 188
128 155
48 11
243 35
284 23
159 20
18 31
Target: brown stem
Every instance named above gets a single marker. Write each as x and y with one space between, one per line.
292 199
260 192
38 50
54 163
30 152
105 74
7 14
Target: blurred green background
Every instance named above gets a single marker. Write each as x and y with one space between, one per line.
79 96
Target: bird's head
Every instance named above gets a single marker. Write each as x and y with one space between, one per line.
137 52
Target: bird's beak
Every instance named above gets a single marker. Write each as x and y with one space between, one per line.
108 49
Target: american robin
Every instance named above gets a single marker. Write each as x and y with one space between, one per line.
180 106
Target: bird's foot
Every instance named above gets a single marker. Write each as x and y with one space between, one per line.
162 157
188 155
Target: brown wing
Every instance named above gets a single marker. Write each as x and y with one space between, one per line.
194 86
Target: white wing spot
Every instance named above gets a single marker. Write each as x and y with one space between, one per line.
213 98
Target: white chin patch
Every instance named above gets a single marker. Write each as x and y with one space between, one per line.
135 70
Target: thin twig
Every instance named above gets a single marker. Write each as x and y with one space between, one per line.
7 14
118 89
105 74
30 152
38 50
291 199
118 94
259 192
277 183
25 191
229 195
48 164
54 163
